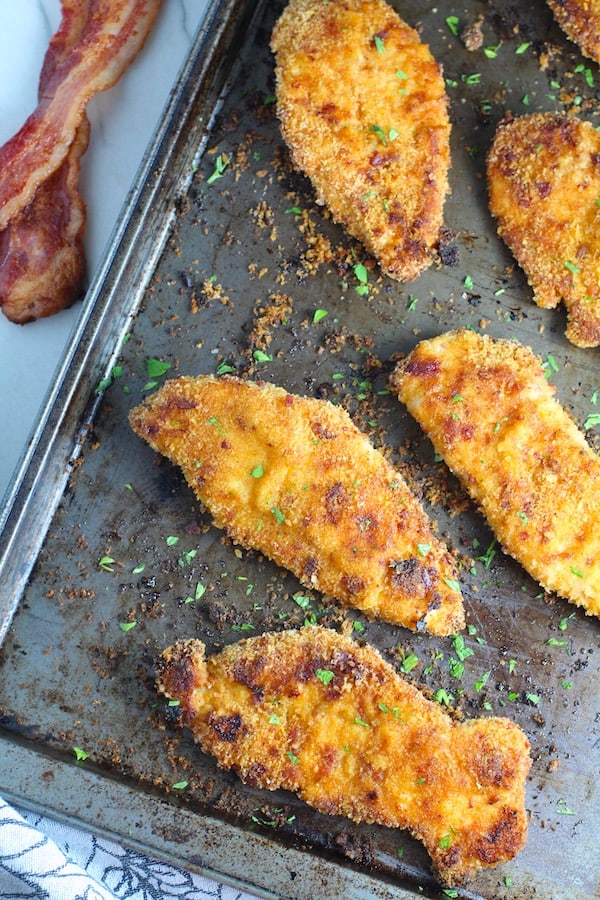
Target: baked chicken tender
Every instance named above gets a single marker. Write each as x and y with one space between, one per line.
364 112
544 185
491 414
295 479
313 712
580 20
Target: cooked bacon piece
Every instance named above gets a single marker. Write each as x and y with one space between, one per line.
294 478
580 20
313 712
544 185
111 36
491 413
363 109
42 259
42 214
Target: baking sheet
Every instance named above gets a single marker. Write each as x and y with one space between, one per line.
249 258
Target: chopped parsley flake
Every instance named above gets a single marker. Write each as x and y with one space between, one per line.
324 675
180 785
362 277
319 315
456 668
105 563
562 809
592 421
257 471
409 662
492 51
452 584
462 651
383 137
564 622
278 514
221 164
479 685
442 696
156 367
453 22
489 555
359 721
214 421
293 758
80 754
127 626
260 356
553 642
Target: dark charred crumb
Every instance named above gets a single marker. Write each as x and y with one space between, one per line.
358 848
448 251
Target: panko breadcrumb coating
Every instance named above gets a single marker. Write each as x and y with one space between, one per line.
544 186
295 479
491 414
363 110
580 20
315 713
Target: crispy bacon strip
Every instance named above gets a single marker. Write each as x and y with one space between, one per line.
42 214
42 259
111 36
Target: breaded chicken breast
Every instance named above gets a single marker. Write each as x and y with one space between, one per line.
315 713
544 187
580 20
492 415
294 478
363 110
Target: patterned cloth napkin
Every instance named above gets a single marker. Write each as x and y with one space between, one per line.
41 858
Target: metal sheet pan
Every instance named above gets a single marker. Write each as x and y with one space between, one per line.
205 272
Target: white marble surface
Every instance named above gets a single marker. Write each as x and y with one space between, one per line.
123 121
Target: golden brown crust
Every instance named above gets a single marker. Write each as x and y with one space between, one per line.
294 478
363 110
544 186
490 412
580 20
313 712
